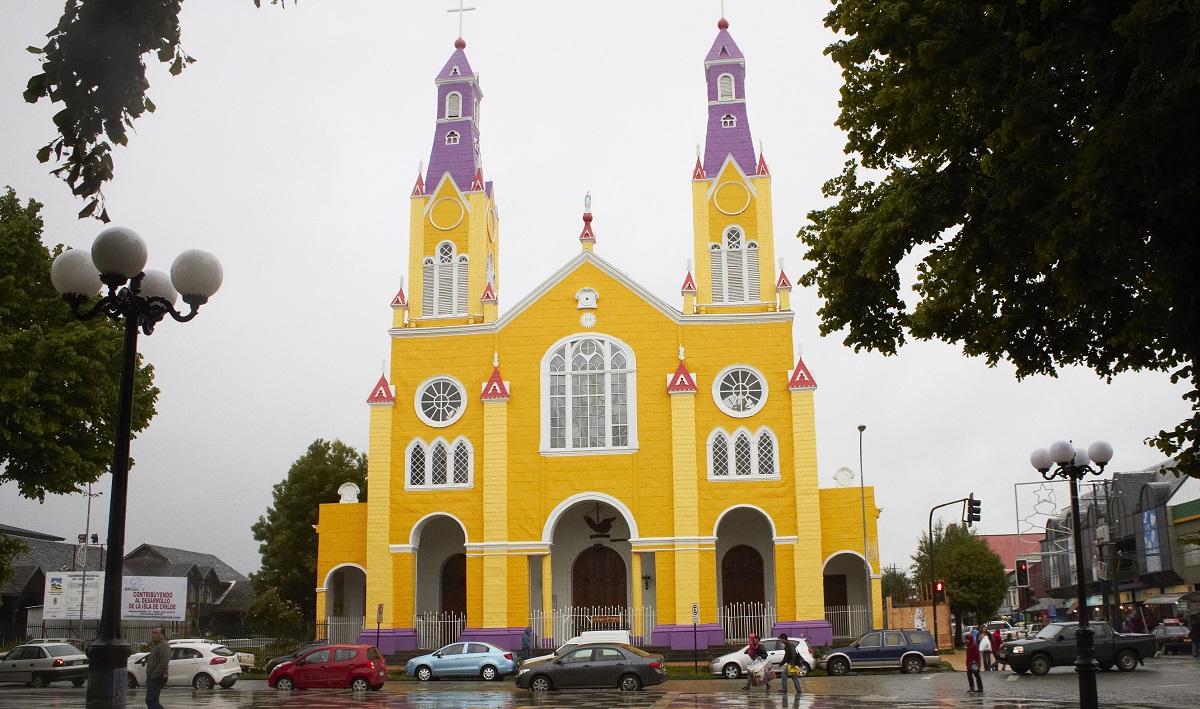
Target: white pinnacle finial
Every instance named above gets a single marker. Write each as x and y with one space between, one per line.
689 266
421 167
681 353
401 282
587 201
496 359
383 366
799 351
699 150
780 263
760 148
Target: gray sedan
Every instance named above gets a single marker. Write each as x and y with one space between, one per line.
40 664
598 665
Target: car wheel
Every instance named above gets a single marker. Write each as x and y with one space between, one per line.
285 684
912 666
203 681
838 667
227 683
488 673
40 681
541 683
804 669
359 684
1020 670
424 673
78 682
131 681
1105 666
1039 665
629 683
1127 661
731 671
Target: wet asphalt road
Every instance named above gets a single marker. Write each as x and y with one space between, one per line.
1167 683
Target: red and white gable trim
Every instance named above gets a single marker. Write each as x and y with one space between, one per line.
477 183
689 284
489 295
495 388
419 188
381 395
681 382
802 379
401 300
587 234
762 166
698 172
783 283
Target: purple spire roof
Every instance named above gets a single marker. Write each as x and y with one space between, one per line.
456 136
728 126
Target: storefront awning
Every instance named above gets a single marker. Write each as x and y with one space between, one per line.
1166 599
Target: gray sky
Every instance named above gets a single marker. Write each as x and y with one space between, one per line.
289 150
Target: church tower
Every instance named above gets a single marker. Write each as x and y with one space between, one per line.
453 231
731 198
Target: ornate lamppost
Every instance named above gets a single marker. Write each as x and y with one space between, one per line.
141 299
1073 464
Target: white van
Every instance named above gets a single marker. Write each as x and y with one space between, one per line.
588 636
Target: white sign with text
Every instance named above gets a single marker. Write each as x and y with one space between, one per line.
154 598
73 595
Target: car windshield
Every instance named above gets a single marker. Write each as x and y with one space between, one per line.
222 651
62 650
1049 632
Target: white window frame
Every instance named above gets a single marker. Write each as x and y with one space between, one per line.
454 105
729 121
734 272
716 391
427 450
462 392
726 88
730 438
452 138
630 371
444 288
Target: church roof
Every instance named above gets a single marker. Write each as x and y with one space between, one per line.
459 60
382 393
723 48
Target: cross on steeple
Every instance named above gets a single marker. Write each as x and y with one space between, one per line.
460 10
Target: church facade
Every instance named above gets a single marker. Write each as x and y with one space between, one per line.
595 457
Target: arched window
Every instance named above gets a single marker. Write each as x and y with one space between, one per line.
742 454
440 464
444 290
588 396
734 267
452 138
453 105
725 88
728 121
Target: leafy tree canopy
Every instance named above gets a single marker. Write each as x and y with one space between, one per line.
59 377
10 549
896 585
288 540
94 65
976 581
1041 157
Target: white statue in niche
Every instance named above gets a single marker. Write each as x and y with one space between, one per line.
348 492
586 299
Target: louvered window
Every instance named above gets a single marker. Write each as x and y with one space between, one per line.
589 388
445 285
454 105
734 268
725 88
718 272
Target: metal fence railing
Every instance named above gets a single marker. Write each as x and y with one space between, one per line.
435 629
561 624
738 620
848 621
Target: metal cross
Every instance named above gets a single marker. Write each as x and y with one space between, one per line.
460 10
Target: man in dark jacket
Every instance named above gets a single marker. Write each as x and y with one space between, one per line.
157 663
1195 633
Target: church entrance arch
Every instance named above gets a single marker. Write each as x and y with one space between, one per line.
441 583
598 579
345 603
745 573
454 585
742 575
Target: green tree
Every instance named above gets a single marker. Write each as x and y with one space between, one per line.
272 616
288 539
59 377
94 65
896 585
1039 158
976 581
10 549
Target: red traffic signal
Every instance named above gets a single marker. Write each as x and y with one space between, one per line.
939 586
1022 573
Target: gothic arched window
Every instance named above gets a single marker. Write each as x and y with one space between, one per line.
589 396
734 264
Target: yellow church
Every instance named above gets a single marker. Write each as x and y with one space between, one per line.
595 457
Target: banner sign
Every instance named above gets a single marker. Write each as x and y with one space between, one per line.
71 595
154 598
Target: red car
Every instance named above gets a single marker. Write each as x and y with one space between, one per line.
359 667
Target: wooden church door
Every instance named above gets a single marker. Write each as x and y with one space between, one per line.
454 585
598 579
742 576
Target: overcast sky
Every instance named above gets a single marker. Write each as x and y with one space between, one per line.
289 150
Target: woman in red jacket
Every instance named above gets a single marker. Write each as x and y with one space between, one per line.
973 662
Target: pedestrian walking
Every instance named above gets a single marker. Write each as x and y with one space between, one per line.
985 649
997 641
527 643
973 677
791 665
758 671
157 664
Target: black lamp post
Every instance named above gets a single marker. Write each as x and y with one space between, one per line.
142 299
1073 464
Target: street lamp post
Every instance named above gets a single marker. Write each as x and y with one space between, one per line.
862 493
141 299
1073 464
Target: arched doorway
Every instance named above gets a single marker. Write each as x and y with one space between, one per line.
454 585
742 576
598 579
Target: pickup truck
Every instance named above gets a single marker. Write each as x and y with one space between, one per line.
1007 632
1054 646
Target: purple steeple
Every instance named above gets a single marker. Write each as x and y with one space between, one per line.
728 128
456 136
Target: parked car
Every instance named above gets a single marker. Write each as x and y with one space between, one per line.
733 665
40 664
1173 638
595 665
245 659
907 649
276 661
359 667
200 663
470 659
1054 646
587 636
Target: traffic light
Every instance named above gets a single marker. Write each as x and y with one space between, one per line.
1022 573
939 590
973 506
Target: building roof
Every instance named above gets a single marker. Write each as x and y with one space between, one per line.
43 556
1009 547
27 533
154 560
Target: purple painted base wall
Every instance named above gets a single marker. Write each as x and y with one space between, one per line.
818 632
506 638
390 640
682 637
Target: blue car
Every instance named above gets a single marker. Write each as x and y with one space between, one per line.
470 659
908 650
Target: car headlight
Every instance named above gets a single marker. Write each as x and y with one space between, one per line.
523 670
1018 650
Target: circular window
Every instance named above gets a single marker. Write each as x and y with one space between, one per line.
440 401
740 391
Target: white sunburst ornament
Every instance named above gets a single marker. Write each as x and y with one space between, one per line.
588 320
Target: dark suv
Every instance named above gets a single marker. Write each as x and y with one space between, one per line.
908 650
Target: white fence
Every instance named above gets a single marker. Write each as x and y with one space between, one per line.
436 629
848 621
738 620
561 624
344 629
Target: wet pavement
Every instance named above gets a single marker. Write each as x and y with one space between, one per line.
1163 684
